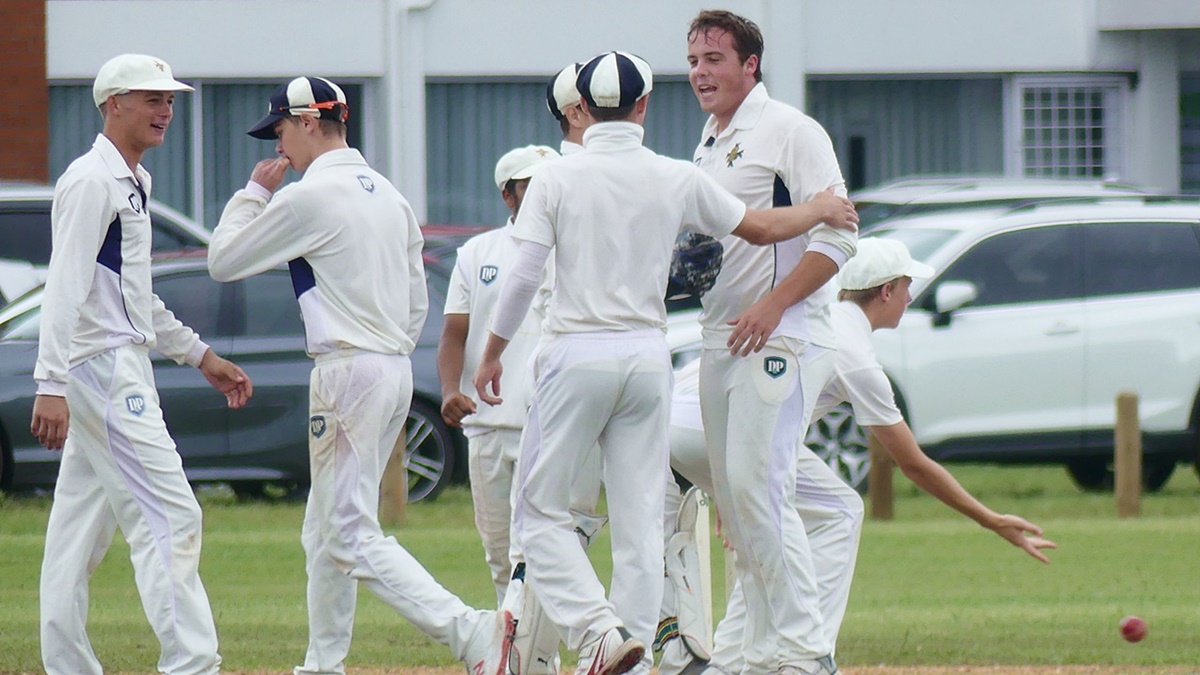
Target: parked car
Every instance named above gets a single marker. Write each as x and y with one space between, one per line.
255 323
914 196
25 235
1037 317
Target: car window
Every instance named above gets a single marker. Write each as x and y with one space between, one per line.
271 306
1033 265
922 242
25 235
1122 258
195 299
166 236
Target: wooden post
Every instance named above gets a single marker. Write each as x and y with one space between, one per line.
393 489
1127 457
879 481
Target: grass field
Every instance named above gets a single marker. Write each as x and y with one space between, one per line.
931 589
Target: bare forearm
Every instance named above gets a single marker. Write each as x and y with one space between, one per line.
814 271
451 353
930 476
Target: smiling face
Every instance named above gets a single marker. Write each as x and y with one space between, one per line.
139 119
720 79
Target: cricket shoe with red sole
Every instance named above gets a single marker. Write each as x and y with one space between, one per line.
613 653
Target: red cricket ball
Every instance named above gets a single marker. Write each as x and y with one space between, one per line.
1133 628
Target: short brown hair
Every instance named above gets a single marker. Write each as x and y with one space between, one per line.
866 295
747 38
612 114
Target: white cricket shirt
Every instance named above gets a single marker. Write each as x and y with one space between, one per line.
484 261
771 155
98 294
352 244
858 377
611 214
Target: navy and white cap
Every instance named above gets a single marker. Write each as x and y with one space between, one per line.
614 80
302 96
561 93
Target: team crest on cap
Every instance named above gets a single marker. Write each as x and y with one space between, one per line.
366 183
734 155
136 404
488 274
316 424
161 67
775 366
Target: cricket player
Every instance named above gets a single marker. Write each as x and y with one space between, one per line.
768 346
96 397
353 246
563 101
493 432
874 293
604 374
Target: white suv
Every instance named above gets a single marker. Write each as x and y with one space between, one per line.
1037 317
913 196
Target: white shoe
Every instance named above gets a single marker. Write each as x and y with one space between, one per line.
822 666
491 656
613 653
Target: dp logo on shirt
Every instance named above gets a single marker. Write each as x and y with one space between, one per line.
775 366
136 404
488 273
316 424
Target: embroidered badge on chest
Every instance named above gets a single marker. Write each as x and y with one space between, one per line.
135 202
136 404
316 424
488 274
775 366
733 155
366 183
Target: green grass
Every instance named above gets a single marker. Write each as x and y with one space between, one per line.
931 588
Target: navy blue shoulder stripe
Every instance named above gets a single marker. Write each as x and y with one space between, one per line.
303 279
110 251
782 196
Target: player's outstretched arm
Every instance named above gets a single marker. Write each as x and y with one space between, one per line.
933 478
450 356
228 378
767 226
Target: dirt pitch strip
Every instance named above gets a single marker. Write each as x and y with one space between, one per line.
847 670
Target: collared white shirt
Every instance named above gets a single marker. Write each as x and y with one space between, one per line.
352 244
568 148
857 378
611 215
771 154
98 293
484 261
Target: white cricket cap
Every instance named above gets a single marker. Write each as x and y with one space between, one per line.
520 163
561 93
614 80
877 262
133 72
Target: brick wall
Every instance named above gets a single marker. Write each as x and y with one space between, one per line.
24 131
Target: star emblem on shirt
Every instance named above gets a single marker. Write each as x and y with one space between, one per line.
161 66
734 155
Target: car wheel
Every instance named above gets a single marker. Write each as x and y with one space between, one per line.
1096 475
430 447
842 444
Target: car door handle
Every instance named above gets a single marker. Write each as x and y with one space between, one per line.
1062 328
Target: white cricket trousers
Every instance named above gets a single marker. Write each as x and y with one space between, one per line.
613 389
492 463
833 517
120 468
755 409
358 402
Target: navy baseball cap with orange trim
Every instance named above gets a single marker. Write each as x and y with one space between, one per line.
315 96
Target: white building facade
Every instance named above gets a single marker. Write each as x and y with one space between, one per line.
439 89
